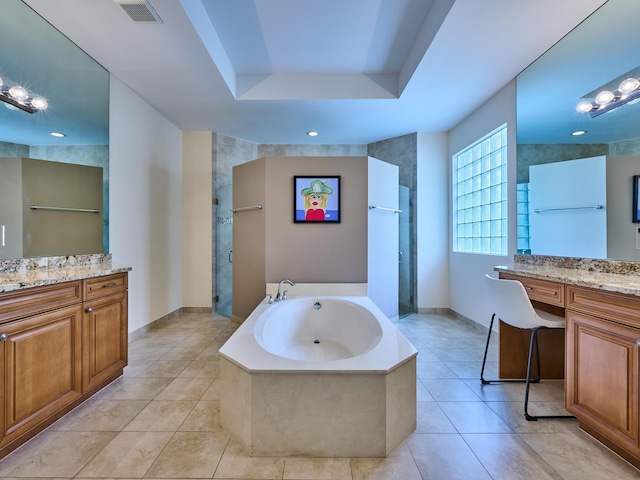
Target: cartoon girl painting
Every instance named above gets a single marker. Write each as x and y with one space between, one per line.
315 200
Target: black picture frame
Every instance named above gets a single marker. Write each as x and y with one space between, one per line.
316 199
636 190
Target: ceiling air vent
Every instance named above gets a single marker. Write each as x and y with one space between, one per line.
139 11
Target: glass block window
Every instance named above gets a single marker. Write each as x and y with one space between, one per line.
522 210
480 196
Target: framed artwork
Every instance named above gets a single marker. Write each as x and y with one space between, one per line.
636 190
316 199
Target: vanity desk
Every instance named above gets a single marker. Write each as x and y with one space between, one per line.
63 337
599 350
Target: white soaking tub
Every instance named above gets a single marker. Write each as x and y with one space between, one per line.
318 376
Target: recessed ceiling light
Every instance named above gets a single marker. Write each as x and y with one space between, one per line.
312 134
58 134
579 132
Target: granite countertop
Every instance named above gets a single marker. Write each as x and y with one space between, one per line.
612 276
26 273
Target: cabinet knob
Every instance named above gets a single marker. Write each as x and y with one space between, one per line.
89 310
3 337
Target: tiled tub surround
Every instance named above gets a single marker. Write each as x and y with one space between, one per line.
609 275
363 406
22 273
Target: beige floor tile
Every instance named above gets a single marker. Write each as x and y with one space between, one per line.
54 454
161 416
161 368
196 340
236 463
209 353
431 419
452 354
128 455
579 457
471 369
449 390
185 389
508 456
496 392
101 416
399 464
184 353
426 355
213 392
201 368
134 388
205 417
190 455
473 417
142 353
512 413
437 369
367 468
445 457
422 394
317 469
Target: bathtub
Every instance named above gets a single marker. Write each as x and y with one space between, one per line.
324 376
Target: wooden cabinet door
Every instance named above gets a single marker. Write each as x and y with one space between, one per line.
105 339
602 376
40 369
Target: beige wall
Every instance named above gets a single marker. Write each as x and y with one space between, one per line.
268 246
249 237
316 253
197 219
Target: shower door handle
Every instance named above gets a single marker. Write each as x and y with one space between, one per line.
230 256
399 256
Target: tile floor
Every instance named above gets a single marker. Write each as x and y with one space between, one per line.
161 420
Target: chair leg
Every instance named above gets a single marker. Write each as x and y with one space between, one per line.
534 344
486 349
484 361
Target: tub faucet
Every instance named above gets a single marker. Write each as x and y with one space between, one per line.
279 296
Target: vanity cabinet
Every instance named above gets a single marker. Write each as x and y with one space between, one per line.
603 366
40 369
59 344
104 329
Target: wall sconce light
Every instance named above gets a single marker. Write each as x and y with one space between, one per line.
19 97
605 101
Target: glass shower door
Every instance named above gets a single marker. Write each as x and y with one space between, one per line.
405 278
224 250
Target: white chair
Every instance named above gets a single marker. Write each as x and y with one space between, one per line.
511 304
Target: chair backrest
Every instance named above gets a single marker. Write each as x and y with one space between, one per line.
510 302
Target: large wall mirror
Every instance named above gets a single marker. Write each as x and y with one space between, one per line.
69 173
575 191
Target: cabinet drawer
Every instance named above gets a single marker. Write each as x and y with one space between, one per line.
101 286
617 307
551 293
23 303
